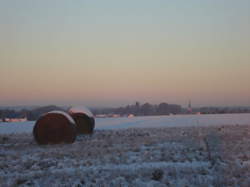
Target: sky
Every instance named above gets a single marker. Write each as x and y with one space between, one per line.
113 52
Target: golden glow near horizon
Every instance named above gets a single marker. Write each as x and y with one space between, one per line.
98 59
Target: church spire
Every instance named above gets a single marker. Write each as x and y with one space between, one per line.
189 106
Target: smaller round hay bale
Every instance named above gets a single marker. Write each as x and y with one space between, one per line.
85 122
55 127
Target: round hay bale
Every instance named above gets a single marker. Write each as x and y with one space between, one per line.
85 122
55 127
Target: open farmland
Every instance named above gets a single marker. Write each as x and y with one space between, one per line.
216 155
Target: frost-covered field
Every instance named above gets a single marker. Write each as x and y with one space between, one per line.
191 155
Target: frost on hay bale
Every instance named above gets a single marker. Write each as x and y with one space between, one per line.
55 127
85 122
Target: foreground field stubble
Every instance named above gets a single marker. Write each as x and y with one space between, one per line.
197 156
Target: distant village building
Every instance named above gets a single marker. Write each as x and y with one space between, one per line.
108 116
116 115
131 115
101 116
15 119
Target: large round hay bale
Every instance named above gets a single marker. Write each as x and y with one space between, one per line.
55 127
85 122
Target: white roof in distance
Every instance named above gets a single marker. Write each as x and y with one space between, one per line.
81 110
63 113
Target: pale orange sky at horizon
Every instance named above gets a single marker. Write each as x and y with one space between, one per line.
109 54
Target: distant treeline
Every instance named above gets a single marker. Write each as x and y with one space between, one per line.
222 110
136 109
143 109
31 115
165 109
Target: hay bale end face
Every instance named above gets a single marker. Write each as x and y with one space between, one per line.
85 122
55 127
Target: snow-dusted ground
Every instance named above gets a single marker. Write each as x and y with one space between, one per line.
173 156
142 122
213 151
